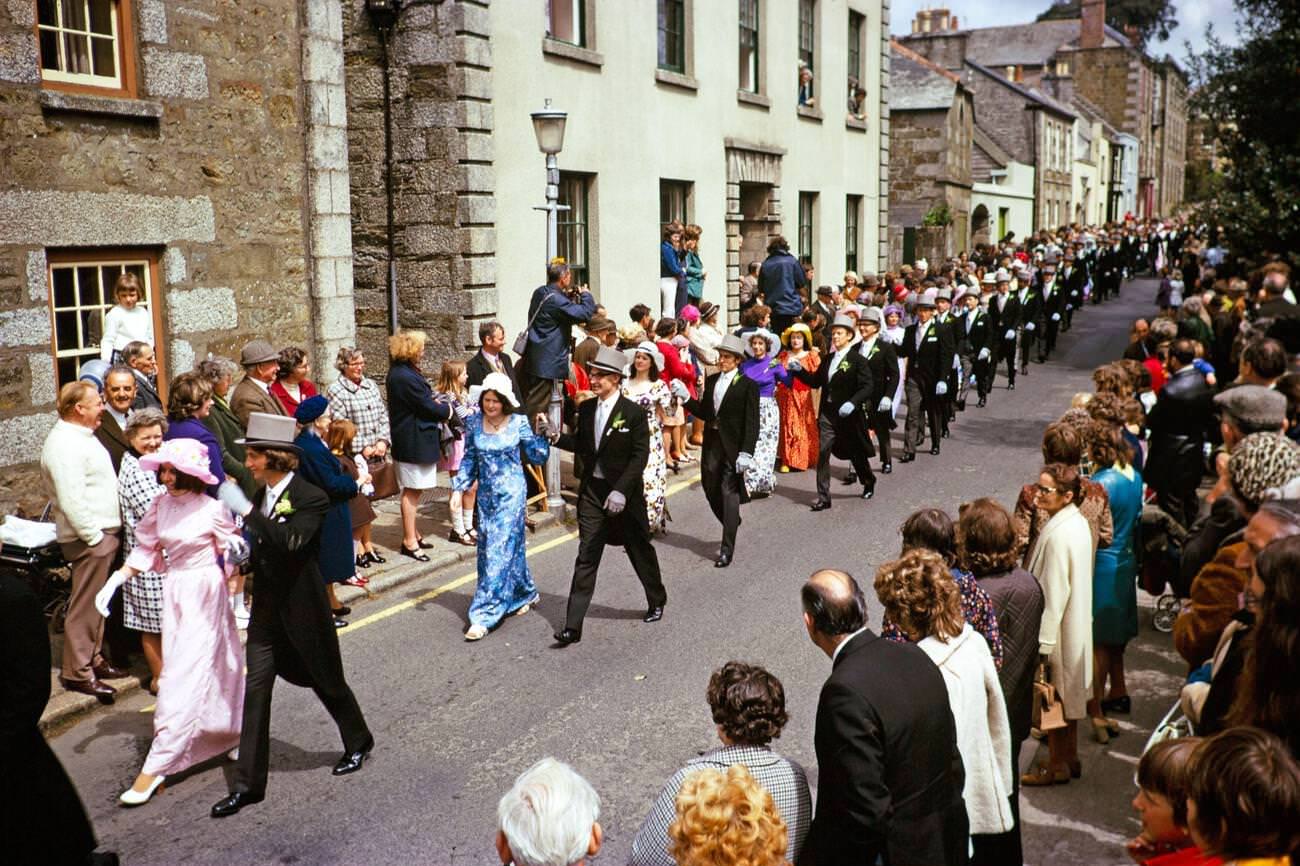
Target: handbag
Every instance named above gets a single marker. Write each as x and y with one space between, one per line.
521 341
383 475
1049 712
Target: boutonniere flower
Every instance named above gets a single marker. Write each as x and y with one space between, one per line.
283 508
843 367
618 422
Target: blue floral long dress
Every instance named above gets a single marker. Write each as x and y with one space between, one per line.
493 460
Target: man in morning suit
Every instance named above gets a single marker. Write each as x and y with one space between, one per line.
1072 277
974 347
890 776
882 361
1052 296
292 631
253 393
491 356
729 409
1031 310
1004 323
845 383
929 351
612 441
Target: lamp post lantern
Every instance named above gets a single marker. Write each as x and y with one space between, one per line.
548 126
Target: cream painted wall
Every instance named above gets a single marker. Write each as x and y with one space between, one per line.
1016 193
630 130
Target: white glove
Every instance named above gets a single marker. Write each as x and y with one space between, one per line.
984 354
941 388
1056 317
105 595
846 409
744 461
793 365
885 404
1069 307
615 502
1009 335
679 389
1029 326
973 383
238 550
367 489
233 498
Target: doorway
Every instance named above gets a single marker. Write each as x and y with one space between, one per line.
754 200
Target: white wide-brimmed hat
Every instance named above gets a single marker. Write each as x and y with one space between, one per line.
499 383
648 348
768 337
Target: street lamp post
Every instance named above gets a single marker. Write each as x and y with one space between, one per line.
548 125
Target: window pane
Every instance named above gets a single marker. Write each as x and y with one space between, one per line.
101 16
105 57
74 14
65 329
66 370
749 45
47 12
88 286
49 49
64 293
92 327
76 53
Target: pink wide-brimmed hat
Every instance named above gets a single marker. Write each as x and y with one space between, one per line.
184 455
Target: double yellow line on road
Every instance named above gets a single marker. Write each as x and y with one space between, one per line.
458 582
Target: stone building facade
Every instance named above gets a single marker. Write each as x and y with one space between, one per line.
201 145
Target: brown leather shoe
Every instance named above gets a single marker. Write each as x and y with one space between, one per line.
96 689
105 671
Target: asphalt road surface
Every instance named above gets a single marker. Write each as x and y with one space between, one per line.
456 722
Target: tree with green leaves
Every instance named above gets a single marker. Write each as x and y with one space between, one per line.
1148 17
1248 94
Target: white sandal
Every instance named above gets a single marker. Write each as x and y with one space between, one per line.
475 632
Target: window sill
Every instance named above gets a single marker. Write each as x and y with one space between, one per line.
758 100
569 51
810 113
83 103
851 122
676 79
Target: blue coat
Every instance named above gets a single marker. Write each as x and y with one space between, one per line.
779 281
413 416
547 356
320 468
193 428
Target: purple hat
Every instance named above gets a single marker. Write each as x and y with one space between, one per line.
311 409
184 455
892 310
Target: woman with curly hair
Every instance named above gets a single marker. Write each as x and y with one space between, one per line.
291 385
189 402
748 707
727 819
1063 442
919 594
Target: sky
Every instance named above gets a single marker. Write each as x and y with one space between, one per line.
1192 15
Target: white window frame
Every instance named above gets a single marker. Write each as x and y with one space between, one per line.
61 32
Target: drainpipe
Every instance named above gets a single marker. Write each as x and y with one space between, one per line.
385 35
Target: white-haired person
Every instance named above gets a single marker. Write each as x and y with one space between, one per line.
549 818
497 440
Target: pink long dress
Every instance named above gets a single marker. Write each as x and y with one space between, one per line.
201 691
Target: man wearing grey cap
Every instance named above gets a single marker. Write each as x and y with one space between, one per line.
253 393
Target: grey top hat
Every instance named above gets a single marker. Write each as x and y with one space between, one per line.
270 431
944 295
926 298
733 344
872 314
257 352
844 320
608 360
1255 405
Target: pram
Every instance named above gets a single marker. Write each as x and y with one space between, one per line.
1162 544
1174 724
43 567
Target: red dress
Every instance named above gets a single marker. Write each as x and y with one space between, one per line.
797 447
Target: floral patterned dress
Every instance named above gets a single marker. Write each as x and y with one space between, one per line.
766 372
797 447
493 460
654 400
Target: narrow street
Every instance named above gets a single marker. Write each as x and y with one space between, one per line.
456 722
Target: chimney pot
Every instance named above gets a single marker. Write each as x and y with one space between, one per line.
953 23
1092 24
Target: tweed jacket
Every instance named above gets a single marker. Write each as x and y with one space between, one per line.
249 397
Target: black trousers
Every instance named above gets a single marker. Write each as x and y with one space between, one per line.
825 442
922 409
1027 340
881 424
781 321
1007 352
594 526
1050 332
267 654
722 486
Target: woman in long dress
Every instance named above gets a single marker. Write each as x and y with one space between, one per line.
201 691
1062 560
766 371
644 386
797 448
1114 580
492 458
893 333
142 598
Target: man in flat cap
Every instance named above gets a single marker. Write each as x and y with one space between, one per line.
253 393
600 332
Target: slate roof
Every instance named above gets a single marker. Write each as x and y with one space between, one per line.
1031 44
1032 94
916 84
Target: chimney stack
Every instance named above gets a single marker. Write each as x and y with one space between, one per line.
1092 29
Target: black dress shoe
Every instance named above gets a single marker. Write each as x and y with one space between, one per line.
363 560
103 692
723 560
934 450
232 803
568 636
106 671
886 468
340 622
414 554
982 403
424 545
820 505
1011 386
654 614
851 478
944 434
376 558
352 761
907 458
868 492
342 610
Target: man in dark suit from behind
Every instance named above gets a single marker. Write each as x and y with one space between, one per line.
491 356
890 776
1180 424
612 443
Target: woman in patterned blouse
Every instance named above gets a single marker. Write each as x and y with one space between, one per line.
142 598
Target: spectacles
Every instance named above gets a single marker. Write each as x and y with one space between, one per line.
1042 489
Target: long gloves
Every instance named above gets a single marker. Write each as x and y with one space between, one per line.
983 355
233 498
615 502
885 404
744 462
846 409
105 595
941 388
679 389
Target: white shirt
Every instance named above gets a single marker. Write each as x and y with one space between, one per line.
837 357
842 643
273 493
119 417
720 389
265 386
79 477
603 410
494 358
866 346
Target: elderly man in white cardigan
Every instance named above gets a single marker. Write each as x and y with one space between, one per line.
79 477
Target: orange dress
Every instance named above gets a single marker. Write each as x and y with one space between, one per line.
797 447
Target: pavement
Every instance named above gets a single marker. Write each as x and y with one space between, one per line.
455 722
